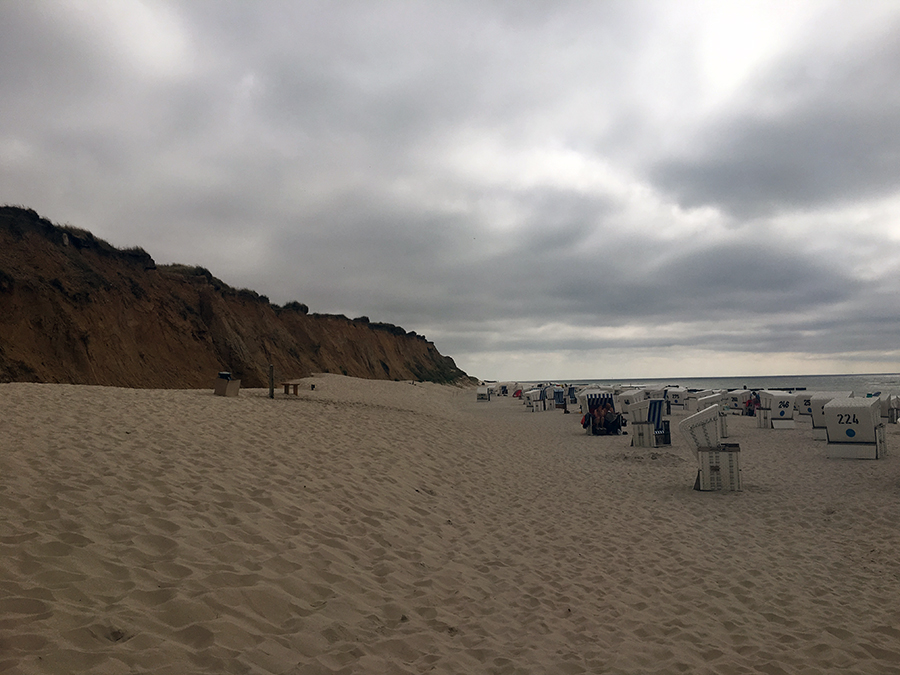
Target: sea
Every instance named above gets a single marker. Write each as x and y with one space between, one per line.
868 384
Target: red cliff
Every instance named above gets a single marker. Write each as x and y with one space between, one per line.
74 309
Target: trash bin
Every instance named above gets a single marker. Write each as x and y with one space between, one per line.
226 385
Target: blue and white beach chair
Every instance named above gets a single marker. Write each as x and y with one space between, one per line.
649 429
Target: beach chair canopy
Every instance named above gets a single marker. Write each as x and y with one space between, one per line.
803 403
818 401
888 400
648 410
625 399
738 397
779 403
594 399
676 394
852 420
710 399
655 413
701 430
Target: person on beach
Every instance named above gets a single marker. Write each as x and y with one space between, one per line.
753 403
604 420
612 421
598 414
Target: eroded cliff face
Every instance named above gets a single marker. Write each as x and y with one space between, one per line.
74 309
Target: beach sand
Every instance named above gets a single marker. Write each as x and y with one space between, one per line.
386 527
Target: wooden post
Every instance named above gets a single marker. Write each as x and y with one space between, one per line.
271 380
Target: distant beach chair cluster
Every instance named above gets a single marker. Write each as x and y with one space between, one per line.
852 425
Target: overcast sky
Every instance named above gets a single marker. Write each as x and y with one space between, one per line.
545 189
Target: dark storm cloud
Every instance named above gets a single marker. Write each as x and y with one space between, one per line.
717 283
755 279
555 269
501 177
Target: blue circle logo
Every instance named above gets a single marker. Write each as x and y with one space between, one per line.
851 433
781 414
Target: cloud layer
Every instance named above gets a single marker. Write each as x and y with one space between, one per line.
546 190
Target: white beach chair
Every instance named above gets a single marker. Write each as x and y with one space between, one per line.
691 399
719 465
695 404
890 404
676 397
776 410
894 409
717 401
533 400
854 428
555 397
736 401
818 400
627 398
648 428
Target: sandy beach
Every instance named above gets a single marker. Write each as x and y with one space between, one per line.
389 527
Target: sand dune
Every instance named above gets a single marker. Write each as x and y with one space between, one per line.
384 527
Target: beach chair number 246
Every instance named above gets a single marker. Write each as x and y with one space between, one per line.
847 419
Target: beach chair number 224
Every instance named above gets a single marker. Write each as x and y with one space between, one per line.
847 419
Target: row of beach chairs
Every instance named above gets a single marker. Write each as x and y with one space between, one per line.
853 427
853 430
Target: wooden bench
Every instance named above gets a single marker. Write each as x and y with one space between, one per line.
287 384
295 384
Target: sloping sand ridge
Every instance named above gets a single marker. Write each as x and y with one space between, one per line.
385 527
